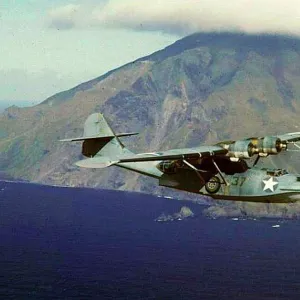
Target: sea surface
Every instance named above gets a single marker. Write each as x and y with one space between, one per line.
73 243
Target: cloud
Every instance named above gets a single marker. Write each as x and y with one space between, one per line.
64 17
187 16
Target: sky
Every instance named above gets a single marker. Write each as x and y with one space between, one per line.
52 45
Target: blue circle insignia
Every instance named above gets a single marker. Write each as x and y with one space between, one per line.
269 184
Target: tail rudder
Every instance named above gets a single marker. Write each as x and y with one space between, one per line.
103 148
107 144
99 139
96 126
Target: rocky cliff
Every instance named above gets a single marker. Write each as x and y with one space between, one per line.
199 90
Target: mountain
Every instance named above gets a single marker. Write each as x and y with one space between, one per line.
4 104
202 89
7 103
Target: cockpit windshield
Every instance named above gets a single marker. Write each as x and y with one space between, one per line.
277 172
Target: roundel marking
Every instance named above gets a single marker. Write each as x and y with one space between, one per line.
270 184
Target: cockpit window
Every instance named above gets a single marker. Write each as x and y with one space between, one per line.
277 172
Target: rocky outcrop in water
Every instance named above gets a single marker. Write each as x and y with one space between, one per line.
185 212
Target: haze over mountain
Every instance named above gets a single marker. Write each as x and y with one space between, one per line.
202 89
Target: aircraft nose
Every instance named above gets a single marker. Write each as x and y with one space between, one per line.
291 186
296 184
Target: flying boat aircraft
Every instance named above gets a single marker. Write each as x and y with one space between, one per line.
220 171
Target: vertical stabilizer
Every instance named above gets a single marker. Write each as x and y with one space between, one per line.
105 142
96 126
103 148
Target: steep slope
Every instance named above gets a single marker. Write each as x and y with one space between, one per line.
202 89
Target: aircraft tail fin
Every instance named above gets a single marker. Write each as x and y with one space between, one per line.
99 139
104 148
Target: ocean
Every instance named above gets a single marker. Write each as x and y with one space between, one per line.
76 243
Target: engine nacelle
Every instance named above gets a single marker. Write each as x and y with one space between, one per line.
241 149
247 148
167 166
270 145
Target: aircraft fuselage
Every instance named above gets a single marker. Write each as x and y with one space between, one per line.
255 185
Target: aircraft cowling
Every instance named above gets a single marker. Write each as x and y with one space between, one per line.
241 149
270 145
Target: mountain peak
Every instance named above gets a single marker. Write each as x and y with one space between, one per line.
262 43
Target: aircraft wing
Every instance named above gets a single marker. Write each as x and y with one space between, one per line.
175 154
290 137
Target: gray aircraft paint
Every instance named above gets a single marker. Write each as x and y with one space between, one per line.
219 171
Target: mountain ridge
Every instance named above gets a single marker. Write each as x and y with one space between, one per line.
200 90
246 41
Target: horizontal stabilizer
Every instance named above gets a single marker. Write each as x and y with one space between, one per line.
96 162
83 138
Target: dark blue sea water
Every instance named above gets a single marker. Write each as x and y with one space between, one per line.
63 243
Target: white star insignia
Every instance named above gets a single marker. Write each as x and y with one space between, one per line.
270 184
